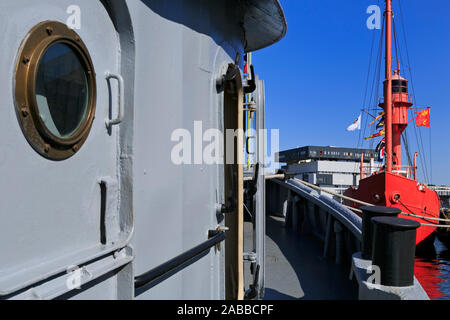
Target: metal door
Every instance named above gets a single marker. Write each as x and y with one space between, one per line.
256 193
57 213
260 197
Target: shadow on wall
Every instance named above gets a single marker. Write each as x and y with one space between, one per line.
201 16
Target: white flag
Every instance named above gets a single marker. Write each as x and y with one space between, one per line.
356 125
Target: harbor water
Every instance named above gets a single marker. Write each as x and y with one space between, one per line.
433 271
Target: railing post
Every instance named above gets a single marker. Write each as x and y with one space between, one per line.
338 230
415 166
361 169
394 250
287 209
367 229
295 214
328 235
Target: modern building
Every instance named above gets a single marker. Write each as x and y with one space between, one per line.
332 168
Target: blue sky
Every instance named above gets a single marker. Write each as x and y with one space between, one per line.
316 76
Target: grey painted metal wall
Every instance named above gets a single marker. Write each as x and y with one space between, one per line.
51 219
170 55
175 206
260 198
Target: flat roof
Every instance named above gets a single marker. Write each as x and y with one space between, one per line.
325 153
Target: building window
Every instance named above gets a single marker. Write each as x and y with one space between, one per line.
55 90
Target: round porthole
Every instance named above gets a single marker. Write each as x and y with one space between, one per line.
55 90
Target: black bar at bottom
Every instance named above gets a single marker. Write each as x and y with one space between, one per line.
166 267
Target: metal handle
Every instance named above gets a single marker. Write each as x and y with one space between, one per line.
247 146
215 238
120 116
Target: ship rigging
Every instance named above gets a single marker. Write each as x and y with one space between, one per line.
396 185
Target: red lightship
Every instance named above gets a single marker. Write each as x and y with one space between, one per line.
396 185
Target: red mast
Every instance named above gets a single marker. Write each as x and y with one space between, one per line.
395 104
388 86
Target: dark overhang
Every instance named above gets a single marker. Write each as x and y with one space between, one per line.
264 23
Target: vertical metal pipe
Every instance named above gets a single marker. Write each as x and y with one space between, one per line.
388 86
248 112
338 230
328 235
287 206
415 166
361 167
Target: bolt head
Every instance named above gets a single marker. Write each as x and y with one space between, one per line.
24 111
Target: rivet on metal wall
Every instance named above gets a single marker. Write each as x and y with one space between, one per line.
25 111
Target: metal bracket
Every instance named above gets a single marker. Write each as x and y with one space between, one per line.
288 175
249 256
253 292
252 185
228 209
251 84
247 146
120 116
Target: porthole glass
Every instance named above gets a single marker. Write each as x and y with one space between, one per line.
62 90
55 90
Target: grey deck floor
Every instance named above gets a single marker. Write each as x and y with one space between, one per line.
295 268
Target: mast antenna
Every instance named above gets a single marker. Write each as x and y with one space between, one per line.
388 86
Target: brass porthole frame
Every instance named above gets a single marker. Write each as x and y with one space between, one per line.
34 46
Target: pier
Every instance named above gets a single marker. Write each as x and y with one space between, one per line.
311 245
443 193
296 269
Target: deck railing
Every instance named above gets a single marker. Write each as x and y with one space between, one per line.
409 172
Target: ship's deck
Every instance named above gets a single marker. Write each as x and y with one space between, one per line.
296 269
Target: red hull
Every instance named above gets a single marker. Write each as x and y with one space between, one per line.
392 190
